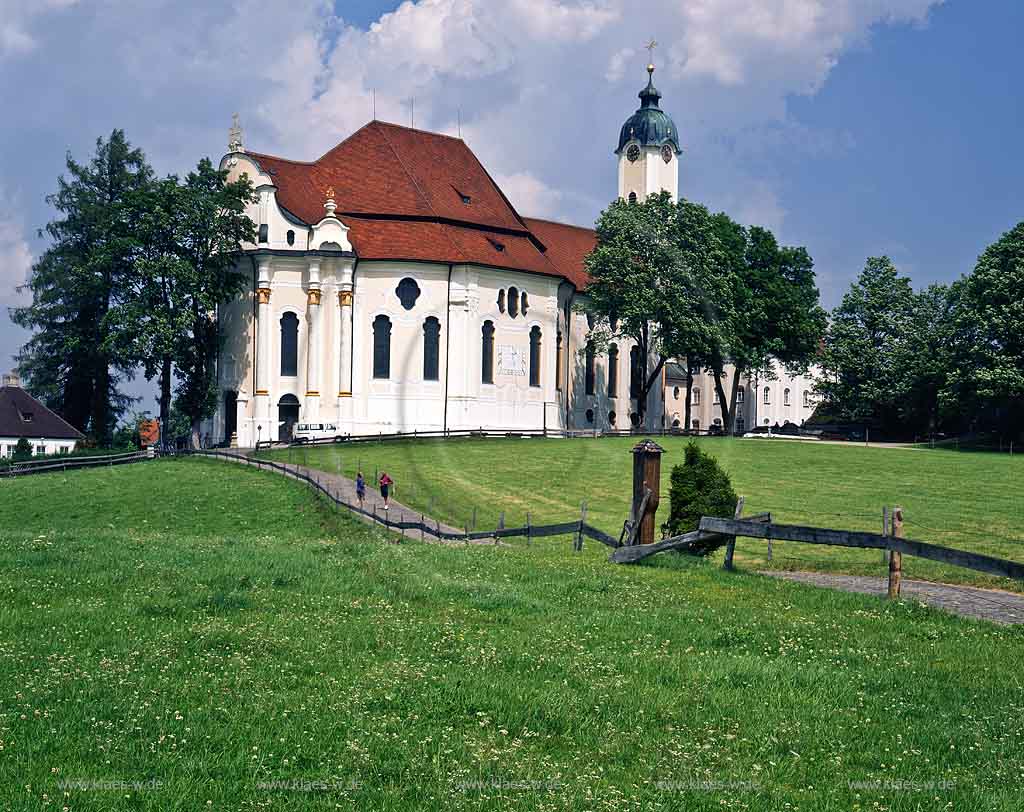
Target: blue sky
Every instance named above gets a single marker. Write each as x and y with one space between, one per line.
854 127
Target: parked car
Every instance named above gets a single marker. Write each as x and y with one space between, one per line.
309 432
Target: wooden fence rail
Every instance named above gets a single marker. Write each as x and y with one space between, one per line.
480 433
71 463
856 538
425 526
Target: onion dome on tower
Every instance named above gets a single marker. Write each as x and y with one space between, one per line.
650 126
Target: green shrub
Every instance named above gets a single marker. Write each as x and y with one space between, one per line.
699 488
23 450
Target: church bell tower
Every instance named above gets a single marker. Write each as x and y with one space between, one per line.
648 149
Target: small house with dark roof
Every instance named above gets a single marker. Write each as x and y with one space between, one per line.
395 287
21 415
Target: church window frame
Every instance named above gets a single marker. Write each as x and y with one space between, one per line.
431 348
590 372
381 348
487 353
408 291
613 370
512 302
535 355
558 360
289 344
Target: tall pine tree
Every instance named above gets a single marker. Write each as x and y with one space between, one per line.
94 242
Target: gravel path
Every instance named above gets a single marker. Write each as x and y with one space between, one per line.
994 605
345 489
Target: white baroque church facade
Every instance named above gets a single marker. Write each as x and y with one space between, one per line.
394 287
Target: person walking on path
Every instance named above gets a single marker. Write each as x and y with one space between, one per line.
385 486
360 489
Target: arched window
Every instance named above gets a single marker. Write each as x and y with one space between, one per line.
590 415
524 303
289 345
558 361
613 370
807 399
487 353
785 397
501 300
534 355
635 371
591 368
675 393
740 394
513 302
695 396
767 395
611 418
632 197
290 237
431 347
382 347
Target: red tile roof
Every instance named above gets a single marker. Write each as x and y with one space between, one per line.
416 195
567 247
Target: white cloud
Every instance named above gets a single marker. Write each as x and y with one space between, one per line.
17 17
541 86
530 195
15 254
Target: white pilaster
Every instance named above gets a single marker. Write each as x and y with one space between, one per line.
265 333
312 411
345 296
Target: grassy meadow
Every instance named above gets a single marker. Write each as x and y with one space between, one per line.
959 499
193 635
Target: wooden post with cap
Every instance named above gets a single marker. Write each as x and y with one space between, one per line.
895 556
646 476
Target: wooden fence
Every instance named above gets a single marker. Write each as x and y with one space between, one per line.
429 527
52 465
624 551
483 433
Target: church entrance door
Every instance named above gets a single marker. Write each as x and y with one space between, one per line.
230 415
287 416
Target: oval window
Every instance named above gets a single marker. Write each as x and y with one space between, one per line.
408 292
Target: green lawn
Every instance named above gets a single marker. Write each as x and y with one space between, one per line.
208 628
969 500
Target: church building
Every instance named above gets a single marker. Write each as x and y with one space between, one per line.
394 287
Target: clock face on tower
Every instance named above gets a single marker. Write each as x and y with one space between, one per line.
633 153
666 153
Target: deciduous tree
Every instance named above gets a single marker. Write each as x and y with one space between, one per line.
773 310
987 374
655 279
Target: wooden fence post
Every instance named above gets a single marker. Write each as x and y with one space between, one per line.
730 545
885 532
895 556
578 546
